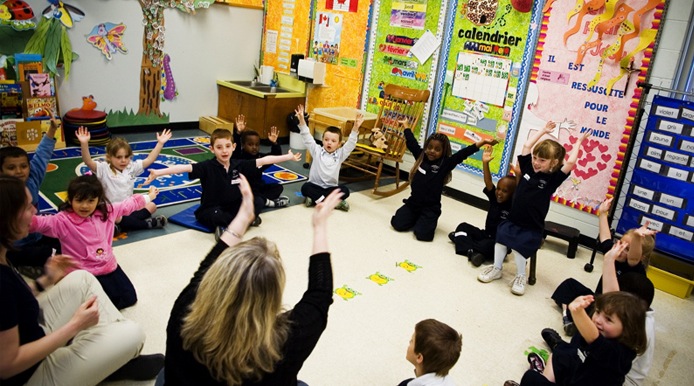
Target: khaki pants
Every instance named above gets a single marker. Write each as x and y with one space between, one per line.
94 353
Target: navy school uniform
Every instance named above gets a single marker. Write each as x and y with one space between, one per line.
482 240
422 209
525 226
259 187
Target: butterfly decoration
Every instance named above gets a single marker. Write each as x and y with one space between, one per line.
65 13
18 14
107 38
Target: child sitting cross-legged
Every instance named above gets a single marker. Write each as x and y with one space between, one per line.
434 349
327 160
478 244
249 148
219 179
118 174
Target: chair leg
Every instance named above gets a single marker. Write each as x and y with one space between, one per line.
533 264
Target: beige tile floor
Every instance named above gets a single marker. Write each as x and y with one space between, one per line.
367 336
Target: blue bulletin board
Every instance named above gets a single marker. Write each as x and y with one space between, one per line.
661 190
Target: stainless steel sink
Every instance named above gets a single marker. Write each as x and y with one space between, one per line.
259 87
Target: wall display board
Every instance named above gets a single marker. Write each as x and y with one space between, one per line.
286 32
338 39
662 184
483 71
398 25
589 58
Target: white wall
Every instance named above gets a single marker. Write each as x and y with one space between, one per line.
220 42
666 58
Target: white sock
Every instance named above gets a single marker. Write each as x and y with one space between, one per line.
520 263
269 203
499 255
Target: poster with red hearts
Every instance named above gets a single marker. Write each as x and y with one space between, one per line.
589 58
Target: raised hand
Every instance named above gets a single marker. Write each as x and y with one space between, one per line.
300 115
486 141
295 156
549 127
274 133
86 315
604 207
359 119
645 231
616 251
581 302
164 136
487 155
240 123
83 135
325 207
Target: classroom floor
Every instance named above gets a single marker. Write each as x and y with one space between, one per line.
367 336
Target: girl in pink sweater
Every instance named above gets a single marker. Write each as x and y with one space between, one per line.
84 227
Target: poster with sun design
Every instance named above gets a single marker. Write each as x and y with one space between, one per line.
589 58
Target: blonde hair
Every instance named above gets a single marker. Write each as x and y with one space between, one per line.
550 150
647 246
234 326
116 144
220 134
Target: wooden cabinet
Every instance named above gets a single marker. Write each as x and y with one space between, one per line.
261 112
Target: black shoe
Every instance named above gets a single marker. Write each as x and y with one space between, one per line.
257 221
477 259
141 368
451 236
551 337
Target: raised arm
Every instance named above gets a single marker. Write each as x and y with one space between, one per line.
15 358
583 322
486 159
358 120
161 140
528 145
275 159
635 254
320 221
573 155
603 221
238 226
84 136
176 169
609 271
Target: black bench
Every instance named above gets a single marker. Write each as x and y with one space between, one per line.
560 231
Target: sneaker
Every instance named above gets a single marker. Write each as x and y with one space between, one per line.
511 383
551 337
281 201
257 221
140 368
569 326
489 274
518 286
477 259
218 232
159 222
536 362
308 202
343 205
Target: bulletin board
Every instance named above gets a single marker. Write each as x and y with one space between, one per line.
660 191
338 38
256 4
286 32
584 77
482 74
397 26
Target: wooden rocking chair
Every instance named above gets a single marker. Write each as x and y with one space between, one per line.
399 104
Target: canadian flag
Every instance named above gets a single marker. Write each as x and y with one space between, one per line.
341 5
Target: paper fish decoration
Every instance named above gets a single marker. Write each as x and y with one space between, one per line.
65 13
18 14
107 38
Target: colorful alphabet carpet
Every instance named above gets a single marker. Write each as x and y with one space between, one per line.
175 189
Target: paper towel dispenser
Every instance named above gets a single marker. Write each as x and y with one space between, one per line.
311 71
